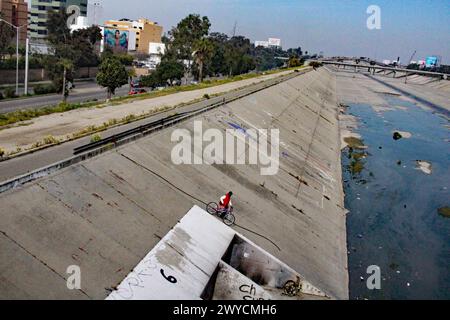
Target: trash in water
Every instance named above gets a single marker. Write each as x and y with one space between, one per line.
424 166
401 134
397 136
393 266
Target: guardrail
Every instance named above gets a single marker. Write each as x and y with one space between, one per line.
174 119
375 67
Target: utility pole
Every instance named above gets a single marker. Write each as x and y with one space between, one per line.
27 51
17 62
96 5
64 85
234 29
17 51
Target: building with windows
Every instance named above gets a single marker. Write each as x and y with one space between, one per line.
136 35
39 14
16 13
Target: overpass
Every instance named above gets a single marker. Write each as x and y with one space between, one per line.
396 72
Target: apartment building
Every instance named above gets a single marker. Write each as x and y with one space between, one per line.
39 14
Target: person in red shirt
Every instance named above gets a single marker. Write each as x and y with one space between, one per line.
225 204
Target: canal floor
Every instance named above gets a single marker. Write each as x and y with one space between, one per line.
394 220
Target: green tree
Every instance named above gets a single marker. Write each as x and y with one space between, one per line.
69 49
294 61
217 63
184 36
170 70
112 75
204 50
267 58
238 56
166 72
66 65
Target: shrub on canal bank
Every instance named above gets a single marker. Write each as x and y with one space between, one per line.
96 138
45 89
10 93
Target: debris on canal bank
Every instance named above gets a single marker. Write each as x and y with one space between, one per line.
347 124
424 166
444 211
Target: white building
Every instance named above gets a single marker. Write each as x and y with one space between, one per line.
264 44
156 51
270 43
81 23
274 42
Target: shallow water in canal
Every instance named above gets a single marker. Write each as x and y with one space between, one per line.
394 221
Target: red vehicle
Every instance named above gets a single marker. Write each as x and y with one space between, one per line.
135 91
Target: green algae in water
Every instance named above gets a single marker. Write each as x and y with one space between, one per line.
356 167
354 143
445 212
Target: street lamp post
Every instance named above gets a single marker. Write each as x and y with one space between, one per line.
17 51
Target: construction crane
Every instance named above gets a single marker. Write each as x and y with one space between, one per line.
412 56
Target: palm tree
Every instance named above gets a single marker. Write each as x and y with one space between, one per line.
204 50
131 74
67 65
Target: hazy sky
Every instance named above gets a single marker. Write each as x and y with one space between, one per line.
336 27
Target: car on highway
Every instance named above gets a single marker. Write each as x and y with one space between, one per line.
135 84
135 91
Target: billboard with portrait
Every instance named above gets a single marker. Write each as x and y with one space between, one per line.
274 42
116 39
431 62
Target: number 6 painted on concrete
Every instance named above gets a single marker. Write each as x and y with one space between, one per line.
169 278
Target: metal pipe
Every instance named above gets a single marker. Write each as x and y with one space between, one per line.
17 61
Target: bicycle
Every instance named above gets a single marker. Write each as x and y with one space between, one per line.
292 288
228 219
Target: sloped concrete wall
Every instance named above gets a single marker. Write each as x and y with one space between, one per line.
107 213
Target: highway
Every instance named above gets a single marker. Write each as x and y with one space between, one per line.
84 91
